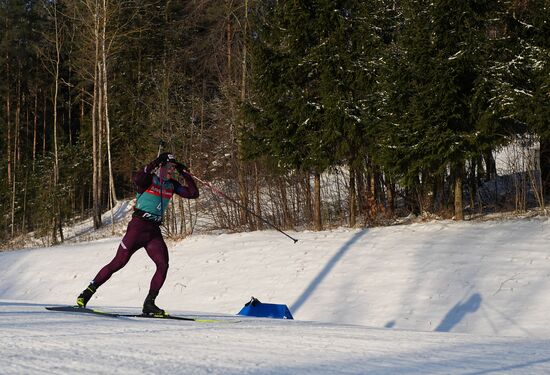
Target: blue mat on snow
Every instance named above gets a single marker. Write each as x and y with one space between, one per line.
265 310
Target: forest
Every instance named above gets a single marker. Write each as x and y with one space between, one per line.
309 113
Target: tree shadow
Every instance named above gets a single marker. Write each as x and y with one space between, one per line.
458 312
511 367
325 271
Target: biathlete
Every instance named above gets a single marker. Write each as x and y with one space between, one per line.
155 187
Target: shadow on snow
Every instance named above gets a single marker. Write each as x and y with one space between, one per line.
325 271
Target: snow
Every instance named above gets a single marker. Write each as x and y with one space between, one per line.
426 298
456 55
524 92
37 341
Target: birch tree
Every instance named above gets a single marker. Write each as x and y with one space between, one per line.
102 26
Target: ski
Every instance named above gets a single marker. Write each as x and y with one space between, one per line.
168 316
82 310
85 310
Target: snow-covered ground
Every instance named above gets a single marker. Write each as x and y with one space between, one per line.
36 341
439 297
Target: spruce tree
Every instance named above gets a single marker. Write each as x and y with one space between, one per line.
521 76
312 68
436 64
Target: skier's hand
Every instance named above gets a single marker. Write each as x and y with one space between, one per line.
182 168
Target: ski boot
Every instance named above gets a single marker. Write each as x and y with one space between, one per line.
85 296
149 307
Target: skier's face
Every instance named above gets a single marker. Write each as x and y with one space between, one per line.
167 170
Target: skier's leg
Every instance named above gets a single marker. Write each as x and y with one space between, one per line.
158 252
121 258
129 244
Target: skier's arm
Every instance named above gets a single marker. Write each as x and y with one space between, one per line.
144 177
190 191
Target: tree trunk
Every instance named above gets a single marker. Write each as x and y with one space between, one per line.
390 187
56 90
8 114
57 203
9 136
490 166
287 220
229 37
190 212
183 224
377 190
96 180
112 192
17 127
307 191
45 112
459 210
473 184
360 191
317 202
100 130
13 206
24 224
258 206
243 191
35 122
27 109
352 198
69 109
545 165
60 229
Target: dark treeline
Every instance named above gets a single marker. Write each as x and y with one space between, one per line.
308 112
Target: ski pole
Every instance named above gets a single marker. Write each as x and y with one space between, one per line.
161 144
223 195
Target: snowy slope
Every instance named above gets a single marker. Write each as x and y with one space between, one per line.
382 300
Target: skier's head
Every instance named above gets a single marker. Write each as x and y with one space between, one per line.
167 167
166 157
167 170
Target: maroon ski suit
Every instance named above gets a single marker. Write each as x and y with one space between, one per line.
144 228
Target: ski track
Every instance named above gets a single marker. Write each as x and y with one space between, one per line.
37 341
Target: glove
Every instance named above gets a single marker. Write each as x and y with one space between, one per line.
181 168
164 158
